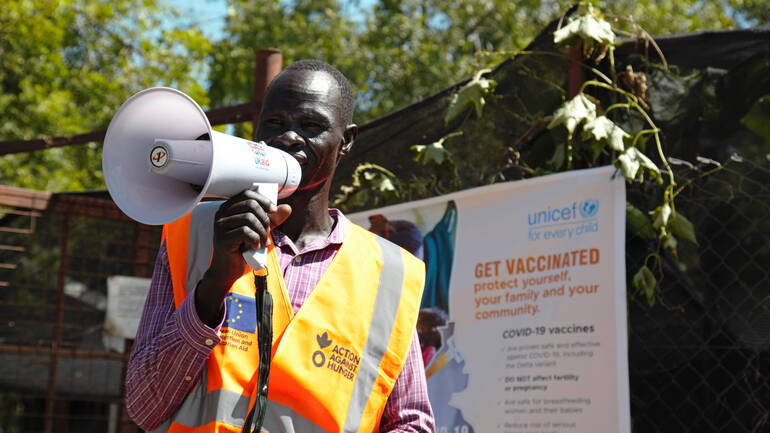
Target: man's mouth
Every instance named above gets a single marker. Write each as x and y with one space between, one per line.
300 156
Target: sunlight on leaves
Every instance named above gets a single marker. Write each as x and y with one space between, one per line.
474 94
589 29
632 164
660 216
574 112
434 152
603 128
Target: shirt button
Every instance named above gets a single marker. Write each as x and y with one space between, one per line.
209 342
188 378
297 259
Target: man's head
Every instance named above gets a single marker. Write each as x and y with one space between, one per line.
346 90
307 112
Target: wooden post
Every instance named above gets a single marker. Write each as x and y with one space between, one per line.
577 75
268 64
50 402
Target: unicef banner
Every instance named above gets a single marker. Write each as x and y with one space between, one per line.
523 321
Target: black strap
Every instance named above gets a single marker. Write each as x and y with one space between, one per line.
264 301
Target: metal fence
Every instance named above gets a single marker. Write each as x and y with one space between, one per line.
59 371
698 357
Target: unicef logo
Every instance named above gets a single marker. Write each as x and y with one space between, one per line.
589 208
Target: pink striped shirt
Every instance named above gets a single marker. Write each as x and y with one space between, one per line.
172 345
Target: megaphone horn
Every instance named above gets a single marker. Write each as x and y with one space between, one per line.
161 157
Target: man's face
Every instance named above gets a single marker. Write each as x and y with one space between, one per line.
301 116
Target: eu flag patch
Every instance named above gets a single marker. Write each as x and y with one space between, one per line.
241 313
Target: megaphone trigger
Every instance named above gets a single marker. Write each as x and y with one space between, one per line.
257 259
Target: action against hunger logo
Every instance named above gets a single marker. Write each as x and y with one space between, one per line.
318 356
342 360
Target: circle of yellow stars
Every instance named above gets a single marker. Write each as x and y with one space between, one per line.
240 310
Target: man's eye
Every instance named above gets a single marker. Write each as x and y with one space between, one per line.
273 123
312 127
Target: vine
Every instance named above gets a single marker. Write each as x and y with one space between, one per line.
591 131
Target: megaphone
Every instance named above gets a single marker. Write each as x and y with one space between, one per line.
161 157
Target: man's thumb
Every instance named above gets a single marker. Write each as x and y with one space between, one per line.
279 215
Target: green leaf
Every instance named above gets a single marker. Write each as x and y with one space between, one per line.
758 118
671 243
645 282
473 94
590 29
371 184
638 223
683 228
384 184
574 112
557 161
602 128
431 153
632 160
434 152
660 216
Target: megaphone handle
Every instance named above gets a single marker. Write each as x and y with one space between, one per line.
257 259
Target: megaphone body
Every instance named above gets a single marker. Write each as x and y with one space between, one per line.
161 157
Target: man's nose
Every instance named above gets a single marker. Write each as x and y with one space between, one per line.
287 140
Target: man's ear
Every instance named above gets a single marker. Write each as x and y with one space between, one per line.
348 137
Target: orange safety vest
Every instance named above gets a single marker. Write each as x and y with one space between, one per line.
333 364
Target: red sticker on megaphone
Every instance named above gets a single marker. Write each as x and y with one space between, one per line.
158 156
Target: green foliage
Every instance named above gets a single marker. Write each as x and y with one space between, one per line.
638 223
371 183
398 52
574 112
585 31
300 29
758 118
473 94
434 153
633 163
682 228
645 282
603 129
66 66
592 135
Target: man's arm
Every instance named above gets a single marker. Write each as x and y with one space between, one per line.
408 408
170 351
172 345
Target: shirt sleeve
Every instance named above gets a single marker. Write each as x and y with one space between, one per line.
169 353
408 408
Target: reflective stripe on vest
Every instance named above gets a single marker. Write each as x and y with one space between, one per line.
385 308
332 371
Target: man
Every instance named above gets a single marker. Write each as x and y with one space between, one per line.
345 356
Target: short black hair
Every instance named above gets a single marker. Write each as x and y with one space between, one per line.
346 90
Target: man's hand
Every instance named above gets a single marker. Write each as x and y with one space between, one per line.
242 223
